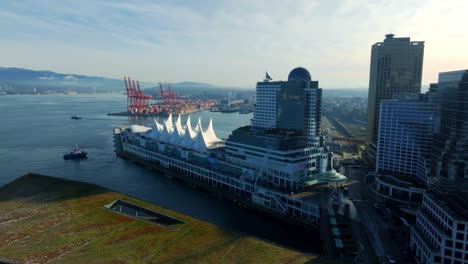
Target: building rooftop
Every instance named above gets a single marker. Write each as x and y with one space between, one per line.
452 195
390 39
328 177
184 136
277 138
299 74
45 219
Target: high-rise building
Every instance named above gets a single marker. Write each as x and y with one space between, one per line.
294 105
440 234
406 129
285 136
396 67
450 152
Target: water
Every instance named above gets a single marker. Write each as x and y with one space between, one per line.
36 130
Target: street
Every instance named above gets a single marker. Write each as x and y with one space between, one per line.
372 227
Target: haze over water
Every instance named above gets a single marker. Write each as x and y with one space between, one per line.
36 130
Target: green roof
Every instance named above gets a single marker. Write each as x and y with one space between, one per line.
50 219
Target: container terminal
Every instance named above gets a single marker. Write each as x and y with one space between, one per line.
139 103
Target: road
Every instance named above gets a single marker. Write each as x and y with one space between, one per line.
329 129
373 228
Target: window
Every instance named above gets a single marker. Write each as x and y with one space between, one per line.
449 243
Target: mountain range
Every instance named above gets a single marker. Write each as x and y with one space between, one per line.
18 80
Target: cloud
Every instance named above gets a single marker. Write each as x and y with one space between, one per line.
46 78
228 42
70 78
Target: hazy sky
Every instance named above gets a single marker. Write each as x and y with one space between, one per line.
228 43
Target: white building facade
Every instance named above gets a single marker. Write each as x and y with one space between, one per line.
440 234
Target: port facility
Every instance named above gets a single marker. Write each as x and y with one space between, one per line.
141 104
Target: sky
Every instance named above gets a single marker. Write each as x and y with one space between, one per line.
229 43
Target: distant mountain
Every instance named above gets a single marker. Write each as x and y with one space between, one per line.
25 80
18 80
193 85
202 90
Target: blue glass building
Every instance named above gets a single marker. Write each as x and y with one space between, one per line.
395 68
406 128
450 152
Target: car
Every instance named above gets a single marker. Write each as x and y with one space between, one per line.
391 259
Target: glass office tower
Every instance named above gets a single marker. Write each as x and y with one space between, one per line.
450 152
396 67
406 128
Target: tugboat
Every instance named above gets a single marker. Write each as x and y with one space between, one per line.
76 117
75 154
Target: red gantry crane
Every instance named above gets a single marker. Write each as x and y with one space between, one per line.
137 101
168 97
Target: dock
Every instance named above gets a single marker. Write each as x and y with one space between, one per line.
153 114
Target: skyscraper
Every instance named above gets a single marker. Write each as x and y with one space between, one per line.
405 135
406 128
396 67
440 232
450 155
284 139
295 104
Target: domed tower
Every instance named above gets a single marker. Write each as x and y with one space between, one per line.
285 133
299 74
293 104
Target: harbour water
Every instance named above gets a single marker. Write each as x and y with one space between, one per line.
36 130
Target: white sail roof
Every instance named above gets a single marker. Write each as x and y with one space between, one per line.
181 136
179 126
139 129
210 134
188 128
